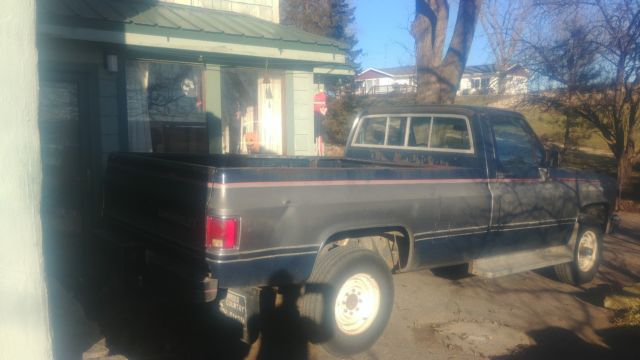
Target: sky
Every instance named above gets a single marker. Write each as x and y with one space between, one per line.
382 28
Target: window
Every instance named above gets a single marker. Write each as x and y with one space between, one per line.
441 133
475 83
484 83
515 146
419 131
397 128
449 133
251 111
165 108
372 131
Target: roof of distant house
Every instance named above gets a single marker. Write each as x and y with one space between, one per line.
373 73
492 69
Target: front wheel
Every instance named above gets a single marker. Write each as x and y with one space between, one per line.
586 258
352 301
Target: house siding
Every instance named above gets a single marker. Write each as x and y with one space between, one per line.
90 58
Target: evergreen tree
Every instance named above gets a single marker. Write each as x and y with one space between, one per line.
330 18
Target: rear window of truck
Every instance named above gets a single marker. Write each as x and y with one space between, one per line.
448 133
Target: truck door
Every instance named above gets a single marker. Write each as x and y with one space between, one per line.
530 209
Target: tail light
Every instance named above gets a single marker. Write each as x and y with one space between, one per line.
221 233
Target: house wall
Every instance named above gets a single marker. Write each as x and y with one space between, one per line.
264 9
514 85
88 58
24 315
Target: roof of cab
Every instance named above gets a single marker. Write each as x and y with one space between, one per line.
467 110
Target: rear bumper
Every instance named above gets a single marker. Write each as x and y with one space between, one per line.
197 285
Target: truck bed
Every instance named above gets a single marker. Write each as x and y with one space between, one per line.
288 203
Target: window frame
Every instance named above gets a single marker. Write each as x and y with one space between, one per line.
410 116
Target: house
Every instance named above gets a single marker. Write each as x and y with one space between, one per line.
484 79
476 79
170 76
384 81
151 76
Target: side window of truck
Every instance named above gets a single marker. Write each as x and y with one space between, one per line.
517 151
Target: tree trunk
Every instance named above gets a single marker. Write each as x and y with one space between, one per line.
624 167
568 125
438 78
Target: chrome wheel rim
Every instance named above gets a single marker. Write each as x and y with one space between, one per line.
587 251
357 304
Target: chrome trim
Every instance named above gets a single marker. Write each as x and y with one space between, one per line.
260 257
452 235
451 230
266 250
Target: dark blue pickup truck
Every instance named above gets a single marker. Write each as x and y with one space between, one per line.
423 186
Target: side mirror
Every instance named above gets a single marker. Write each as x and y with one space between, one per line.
553 158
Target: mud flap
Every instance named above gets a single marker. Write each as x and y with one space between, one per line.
242 305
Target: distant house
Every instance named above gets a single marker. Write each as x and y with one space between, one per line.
476 80
484 79
384 81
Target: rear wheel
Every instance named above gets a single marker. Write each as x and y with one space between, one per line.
352 300
586 258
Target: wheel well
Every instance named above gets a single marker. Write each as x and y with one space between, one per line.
594 215
391 243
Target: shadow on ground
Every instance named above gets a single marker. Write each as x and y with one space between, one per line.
559 343
140 319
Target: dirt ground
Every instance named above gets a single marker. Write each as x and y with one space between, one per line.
442 314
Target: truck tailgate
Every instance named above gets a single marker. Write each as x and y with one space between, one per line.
163 199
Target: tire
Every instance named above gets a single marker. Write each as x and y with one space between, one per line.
344 278
587 256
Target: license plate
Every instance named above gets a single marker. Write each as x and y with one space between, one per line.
234 306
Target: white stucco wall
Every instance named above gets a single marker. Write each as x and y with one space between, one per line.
24 324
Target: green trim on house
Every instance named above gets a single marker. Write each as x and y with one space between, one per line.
341 70
213 104
183 27
299 113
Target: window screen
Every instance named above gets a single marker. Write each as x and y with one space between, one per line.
372 131
450 133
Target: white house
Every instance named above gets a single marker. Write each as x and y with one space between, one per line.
476 80
484 79
384 81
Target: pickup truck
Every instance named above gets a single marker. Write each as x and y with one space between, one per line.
418 187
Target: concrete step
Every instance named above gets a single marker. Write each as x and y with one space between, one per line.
512 263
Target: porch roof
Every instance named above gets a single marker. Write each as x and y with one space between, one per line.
179 27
